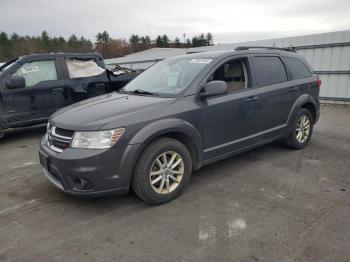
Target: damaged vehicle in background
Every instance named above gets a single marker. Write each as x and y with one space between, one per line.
33 87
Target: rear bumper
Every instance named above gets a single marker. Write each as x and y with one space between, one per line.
318 110
88 173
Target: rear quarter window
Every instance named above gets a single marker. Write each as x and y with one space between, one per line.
297 68
269 70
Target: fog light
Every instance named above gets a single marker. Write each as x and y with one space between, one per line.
81 184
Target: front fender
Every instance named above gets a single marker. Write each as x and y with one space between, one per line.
163 126
156 129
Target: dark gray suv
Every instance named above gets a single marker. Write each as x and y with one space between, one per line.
177 116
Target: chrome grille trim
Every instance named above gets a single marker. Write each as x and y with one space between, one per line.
52 136
53 132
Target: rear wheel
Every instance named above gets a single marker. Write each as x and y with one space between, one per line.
302 129
162 171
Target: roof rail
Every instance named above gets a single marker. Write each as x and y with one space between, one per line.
290 49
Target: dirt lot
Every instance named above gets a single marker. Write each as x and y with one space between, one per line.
270 204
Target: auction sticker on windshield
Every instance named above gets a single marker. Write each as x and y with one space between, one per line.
201 61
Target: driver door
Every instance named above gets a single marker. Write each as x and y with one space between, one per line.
18 105
41 96
230 121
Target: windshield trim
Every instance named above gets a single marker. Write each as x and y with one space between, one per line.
12 61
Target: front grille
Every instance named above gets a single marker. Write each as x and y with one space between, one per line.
64 132
59 139
59 144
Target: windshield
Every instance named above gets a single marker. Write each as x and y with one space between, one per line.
168 77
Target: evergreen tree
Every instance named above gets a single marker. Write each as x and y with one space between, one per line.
45 39
177 42
159 41
165 41
209 38
14 45
135 42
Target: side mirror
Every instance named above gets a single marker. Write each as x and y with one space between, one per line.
16 82
214 88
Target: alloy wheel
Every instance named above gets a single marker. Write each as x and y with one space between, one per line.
166 172
303 128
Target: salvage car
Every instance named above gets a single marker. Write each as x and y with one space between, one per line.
179 115
33 87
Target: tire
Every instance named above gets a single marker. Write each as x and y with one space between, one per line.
294 140
177 156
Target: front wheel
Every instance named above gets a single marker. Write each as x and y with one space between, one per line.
162 171
302 129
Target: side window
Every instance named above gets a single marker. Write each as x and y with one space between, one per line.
38 71
83 68
233 73
297 68
269 70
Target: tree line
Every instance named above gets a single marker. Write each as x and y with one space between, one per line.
14 45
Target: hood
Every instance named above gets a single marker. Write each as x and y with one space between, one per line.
94 113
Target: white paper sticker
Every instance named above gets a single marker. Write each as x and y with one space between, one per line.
201 61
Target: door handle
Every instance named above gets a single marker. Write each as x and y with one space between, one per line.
58 90
100 85
294 88
252 98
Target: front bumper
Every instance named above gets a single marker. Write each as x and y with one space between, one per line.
86 172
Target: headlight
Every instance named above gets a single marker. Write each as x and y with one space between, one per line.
97 140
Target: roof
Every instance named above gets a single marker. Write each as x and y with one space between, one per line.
155 55
149 54
62 54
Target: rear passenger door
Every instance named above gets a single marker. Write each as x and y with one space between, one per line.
276 94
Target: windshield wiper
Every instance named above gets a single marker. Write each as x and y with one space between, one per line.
136 91
143 92
122 91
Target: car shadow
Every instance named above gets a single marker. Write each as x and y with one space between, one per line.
199 178
245 158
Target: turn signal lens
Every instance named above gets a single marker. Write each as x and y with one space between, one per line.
318 82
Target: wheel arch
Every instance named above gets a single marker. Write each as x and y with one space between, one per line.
304 101
312 108
177 129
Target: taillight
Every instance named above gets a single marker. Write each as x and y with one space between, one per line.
318 82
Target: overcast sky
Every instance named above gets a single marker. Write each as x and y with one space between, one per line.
228 20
